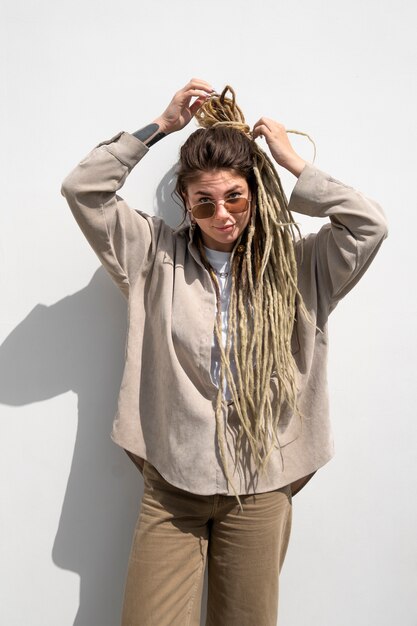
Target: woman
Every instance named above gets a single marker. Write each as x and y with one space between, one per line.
223 402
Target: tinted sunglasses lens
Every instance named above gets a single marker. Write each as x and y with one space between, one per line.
236 205
204 210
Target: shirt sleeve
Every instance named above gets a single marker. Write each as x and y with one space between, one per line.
344 247
123 238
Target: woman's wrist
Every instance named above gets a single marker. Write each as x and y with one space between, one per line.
162 125
149 134
295 165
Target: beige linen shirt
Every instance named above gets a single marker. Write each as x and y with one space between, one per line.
166 403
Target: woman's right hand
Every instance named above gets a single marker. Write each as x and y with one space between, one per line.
179 111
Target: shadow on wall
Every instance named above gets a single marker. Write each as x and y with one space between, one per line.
167 204
78 344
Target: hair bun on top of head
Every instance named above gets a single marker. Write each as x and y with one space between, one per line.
221 110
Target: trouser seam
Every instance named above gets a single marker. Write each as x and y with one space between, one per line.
198 577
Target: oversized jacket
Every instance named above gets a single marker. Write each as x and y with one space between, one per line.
166 411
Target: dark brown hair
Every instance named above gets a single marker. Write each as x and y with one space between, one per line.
215 148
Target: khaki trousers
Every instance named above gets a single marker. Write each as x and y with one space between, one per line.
178 532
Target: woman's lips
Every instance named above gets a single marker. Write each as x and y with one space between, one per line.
224 229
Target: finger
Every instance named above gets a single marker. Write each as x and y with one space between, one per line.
197 104
263 121
191 93
271 124
260 130
200 84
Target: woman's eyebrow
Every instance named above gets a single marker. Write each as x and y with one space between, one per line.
236 187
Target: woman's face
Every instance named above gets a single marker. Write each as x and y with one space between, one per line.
220 231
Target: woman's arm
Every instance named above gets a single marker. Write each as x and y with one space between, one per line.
343 249
120 236
123 238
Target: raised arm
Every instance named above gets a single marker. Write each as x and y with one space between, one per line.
120 236
124 239
343 249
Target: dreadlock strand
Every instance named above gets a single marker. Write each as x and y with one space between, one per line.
264 301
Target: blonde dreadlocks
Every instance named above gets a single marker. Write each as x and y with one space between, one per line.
262 304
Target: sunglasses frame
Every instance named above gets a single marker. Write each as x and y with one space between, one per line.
247 207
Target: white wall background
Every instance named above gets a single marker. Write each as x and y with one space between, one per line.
75 73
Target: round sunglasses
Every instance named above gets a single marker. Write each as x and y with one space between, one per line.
204 210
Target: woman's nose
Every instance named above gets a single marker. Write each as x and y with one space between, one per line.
221 211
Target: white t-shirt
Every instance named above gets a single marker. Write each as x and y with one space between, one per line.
220 262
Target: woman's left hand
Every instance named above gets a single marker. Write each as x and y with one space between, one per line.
277 139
